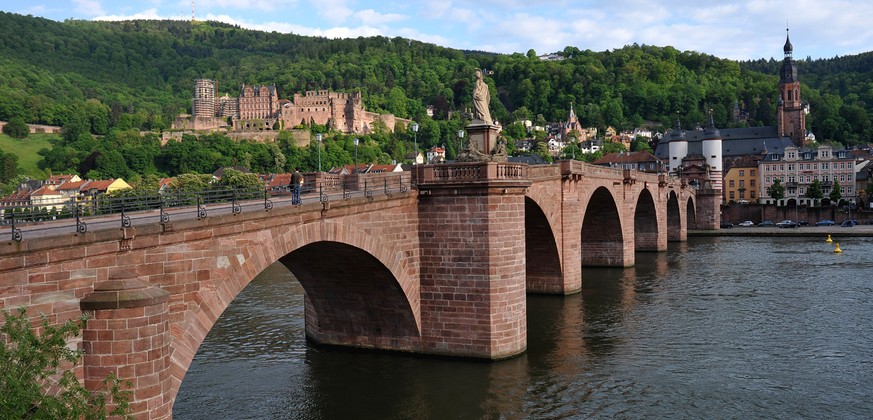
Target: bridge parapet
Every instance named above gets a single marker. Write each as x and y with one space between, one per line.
471 173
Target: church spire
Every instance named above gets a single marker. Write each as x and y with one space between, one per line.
788 48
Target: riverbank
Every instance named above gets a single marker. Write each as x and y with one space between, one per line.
810 231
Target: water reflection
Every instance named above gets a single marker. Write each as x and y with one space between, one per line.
724 327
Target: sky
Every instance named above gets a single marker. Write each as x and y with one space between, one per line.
739 30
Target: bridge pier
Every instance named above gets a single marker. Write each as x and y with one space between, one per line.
127 334
471 229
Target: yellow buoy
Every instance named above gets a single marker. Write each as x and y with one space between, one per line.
829 240
837 250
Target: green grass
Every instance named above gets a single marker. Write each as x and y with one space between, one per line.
26 150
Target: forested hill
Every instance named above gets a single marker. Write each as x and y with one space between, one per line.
139 74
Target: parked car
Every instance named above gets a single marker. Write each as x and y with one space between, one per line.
824 223
848 223
767 223
747 223
803 223
787 224
726 225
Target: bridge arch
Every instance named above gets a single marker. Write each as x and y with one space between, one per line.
544 272
602 235
674 218
690 213
646 223
326 255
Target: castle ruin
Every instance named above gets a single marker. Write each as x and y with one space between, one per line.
259 108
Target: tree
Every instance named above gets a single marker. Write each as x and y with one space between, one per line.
16 127
776 190
814 190
836 193
640 144
571 151
31 364
234 179
190 183
8 167
542 149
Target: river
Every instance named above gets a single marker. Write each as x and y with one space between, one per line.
717 327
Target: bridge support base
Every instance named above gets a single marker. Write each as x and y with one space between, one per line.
127 334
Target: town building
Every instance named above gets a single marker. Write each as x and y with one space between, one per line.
797 168
638 161
741 179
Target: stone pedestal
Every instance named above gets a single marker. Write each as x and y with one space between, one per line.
127 334
481 143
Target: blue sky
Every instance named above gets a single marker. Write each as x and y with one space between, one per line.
737 30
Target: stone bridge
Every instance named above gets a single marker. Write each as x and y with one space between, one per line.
442 268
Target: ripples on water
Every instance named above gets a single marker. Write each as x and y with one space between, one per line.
715 328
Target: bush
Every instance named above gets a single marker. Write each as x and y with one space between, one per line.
32 364
16 127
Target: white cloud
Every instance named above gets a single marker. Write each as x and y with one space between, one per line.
334 11
261 5
372 17
89 7
146 14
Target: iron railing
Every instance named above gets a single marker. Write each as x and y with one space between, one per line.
125 211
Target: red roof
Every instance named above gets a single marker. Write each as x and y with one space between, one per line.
72 186
100 185
43 191
280 180
59 179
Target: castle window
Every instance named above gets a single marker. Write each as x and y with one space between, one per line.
742 172
751 172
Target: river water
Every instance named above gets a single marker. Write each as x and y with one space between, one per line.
721 327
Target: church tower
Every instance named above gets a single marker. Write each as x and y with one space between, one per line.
790 112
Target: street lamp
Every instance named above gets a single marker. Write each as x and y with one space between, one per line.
460 142
318 138
415 134
356 155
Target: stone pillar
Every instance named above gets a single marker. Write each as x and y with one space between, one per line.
708 207
473 301
128 334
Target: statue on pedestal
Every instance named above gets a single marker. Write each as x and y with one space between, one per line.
482 130
481 100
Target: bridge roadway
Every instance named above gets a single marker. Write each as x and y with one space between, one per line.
440 268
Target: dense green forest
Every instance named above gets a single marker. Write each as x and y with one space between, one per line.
112 79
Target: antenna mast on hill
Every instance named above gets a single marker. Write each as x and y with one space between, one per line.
192 10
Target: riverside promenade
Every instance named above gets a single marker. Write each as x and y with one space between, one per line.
812 231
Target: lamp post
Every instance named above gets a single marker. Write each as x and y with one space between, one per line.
460 143
318 138
415 137
356 155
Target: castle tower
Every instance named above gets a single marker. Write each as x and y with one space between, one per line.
677 148
204 98
790 113
711 150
